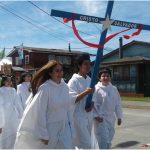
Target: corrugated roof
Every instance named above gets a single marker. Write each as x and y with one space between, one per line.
46 50
128 60
125 46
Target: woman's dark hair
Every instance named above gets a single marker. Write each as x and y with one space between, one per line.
23 75
82 58
5 78
43 75
104 70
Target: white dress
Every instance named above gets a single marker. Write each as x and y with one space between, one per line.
81 120
107 104
2 123
12 113
23 92
45 117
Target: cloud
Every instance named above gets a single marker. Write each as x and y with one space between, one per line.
14 30
37 13
91 7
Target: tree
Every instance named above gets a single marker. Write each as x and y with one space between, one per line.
2 53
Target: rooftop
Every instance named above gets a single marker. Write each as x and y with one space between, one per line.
45 50
128 60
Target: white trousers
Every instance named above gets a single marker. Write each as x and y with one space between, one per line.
104 133
26 141
60 135
83 132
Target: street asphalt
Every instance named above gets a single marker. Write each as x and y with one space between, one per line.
134 133
136 104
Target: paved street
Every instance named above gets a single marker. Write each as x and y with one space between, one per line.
135 130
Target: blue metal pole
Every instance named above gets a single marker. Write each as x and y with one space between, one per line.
99 56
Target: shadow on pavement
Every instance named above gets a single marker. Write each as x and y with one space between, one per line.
126 144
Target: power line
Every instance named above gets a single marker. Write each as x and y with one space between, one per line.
36 22
80 47
5 48
97 28
39 8
31 19
4 8
57 19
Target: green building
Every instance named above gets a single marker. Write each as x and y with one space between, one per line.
130 66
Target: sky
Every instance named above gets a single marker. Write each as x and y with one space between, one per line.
39 29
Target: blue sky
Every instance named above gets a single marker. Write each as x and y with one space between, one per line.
14 31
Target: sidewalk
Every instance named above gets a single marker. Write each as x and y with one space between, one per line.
136 104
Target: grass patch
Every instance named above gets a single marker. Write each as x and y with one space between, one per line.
140 99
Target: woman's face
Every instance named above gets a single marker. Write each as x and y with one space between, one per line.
27 78
8 82
85 67
105 78
57 73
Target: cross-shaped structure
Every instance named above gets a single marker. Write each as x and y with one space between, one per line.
107 22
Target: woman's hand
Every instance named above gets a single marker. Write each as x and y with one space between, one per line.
84 93
44 141
90 108
90 90
99 119
119 122
0 130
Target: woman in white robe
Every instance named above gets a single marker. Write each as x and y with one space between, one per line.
24 88
107 107
12 112
45 121
79 89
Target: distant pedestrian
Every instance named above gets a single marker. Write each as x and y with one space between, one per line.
24 88
12 112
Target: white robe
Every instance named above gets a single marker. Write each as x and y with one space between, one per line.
81 120
2 122
107 104
23 92
45 117
12 113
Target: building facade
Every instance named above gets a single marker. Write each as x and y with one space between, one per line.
130 66
35 58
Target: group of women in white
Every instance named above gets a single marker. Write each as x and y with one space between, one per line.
53 115
12 103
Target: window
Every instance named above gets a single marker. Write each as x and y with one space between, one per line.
26 59
126 73
18 61
133 72
66 60
117 73
51 57
121 73
59 58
